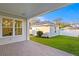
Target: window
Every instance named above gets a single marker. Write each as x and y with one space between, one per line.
18 27
7 27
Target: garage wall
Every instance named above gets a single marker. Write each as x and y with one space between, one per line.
13 38
44 29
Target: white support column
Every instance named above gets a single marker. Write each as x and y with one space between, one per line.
27 30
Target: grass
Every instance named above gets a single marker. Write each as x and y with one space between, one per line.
65 43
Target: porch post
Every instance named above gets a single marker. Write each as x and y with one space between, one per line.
27 29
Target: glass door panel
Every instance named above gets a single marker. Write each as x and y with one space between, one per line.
7 27
18 27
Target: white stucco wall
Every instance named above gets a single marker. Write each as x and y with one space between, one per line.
49 30
13 38
44 29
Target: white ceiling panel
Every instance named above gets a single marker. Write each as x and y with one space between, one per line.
29 10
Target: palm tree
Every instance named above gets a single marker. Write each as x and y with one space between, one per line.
58 22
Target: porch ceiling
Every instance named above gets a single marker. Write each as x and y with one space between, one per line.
29 10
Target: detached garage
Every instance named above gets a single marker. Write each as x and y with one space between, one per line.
48 29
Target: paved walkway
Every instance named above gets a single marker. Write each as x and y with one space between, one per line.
29 48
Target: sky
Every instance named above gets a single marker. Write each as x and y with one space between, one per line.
69 14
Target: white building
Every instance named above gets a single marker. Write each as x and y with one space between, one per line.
48 29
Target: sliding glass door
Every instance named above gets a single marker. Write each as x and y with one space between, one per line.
7 27
18 27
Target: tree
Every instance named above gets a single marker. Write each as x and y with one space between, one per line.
58 22
39 33
61 24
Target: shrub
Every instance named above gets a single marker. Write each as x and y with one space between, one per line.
39 33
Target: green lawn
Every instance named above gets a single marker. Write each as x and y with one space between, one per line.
65 43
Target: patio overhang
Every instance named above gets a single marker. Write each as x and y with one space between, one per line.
28 10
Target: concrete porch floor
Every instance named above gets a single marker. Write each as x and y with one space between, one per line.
30 48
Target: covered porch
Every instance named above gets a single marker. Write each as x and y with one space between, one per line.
16 17
15 44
